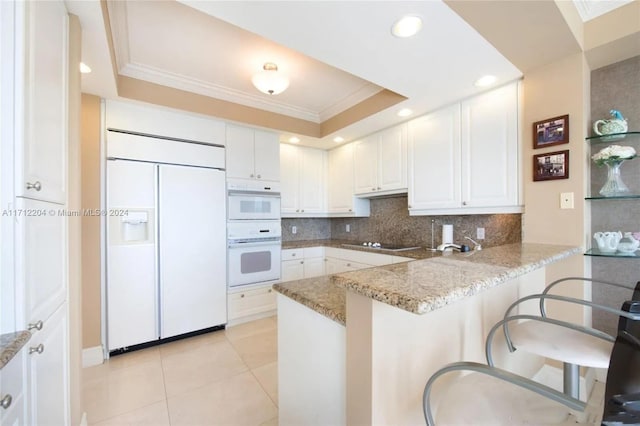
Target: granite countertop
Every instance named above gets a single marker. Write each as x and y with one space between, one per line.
421 253
10 345
424 285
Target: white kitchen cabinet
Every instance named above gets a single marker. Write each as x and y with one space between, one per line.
490 150
380 162
42 86
434 160
13 389
341 200
463 159
302 179
252 303
313 262
252 154
47 371
292 270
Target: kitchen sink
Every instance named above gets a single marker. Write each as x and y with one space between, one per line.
381 247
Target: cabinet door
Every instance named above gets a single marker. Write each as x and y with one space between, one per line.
312 171
44 148
289 183
392 159
490 149
334 266
365 160
41 257
48 371
313 267
434 160
13 383
240 152
267 155
341 179
292 270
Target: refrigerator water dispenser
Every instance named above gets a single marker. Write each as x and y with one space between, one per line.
134 228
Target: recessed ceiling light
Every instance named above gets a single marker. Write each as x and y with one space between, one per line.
294 139
84 68
404 112
338 139
485 81
407 26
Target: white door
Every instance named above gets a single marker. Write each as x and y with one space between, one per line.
392 159
341 179
192 238
289 175
48 371
365 160
44 153
311 189
434 160
41 252
239 153
490 149
132 309
267 155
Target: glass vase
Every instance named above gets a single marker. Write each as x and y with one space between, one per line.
614 186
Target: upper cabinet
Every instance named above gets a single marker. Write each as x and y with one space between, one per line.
380 163
42 84
463 159
302 178
342 201
252 154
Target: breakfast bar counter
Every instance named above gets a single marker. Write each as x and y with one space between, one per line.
357 347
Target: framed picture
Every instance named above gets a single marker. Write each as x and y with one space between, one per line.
554 131
550 166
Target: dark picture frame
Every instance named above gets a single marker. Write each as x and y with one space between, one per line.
551 166
553 131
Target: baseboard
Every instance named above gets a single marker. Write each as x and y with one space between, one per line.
253 317
83 421
92 356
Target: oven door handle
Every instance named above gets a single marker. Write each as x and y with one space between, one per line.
237 245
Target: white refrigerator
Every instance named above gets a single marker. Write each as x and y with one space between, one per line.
166 251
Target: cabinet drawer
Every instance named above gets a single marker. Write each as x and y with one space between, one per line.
12 383
292 254
313 252
251 302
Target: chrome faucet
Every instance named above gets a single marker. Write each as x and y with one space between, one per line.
477 246
444 247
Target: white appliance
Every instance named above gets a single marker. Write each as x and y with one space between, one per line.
252 205
166 242
253 252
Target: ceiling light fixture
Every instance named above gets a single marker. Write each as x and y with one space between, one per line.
407 26
338 139
485 81
404 112
269 81
84 68
294 139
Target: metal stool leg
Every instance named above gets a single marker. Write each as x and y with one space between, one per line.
571 382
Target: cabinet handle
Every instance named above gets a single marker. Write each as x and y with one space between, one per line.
242 295
6 401
35 325
464 203
39 349
379 188
270 290
251 176
259 176
302 262
37 185
373 189
348 264
293 255
297 210
409 205
350 210
302 211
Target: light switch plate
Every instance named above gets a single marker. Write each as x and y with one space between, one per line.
294 229
347 227
566 200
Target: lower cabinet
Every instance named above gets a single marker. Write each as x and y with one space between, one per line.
47 371
12 391
250 304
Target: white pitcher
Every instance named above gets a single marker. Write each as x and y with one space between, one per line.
607 241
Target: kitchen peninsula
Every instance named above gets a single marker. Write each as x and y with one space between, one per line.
357 347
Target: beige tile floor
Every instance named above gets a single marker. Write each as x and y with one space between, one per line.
222 378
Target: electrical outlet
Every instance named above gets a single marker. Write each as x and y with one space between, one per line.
480 233
347 227
566 200
294 229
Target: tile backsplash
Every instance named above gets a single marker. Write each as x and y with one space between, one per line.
390 223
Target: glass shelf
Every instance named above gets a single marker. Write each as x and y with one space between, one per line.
621 197
595 252
614 137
